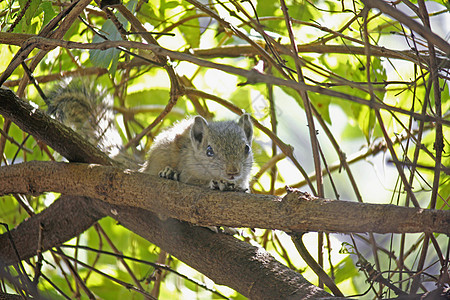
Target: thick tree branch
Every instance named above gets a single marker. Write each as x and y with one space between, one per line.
250 270
294 212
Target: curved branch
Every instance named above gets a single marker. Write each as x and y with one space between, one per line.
252 76
250 270
413 25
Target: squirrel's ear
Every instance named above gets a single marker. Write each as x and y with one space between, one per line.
198 131
246 124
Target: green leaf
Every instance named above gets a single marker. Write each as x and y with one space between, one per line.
10 212
171 4
444 186
332 5
366 119
267 7
345 269
148 11
25 25
164 6
191 29
109 57
271 8
378 74
49 12
241 97
351 132
445 97
303 12
259 154
150 96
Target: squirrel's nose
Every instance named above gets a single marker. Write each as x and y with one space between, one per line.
232 171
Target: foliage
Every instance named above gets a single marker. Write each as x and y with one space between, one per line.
388 103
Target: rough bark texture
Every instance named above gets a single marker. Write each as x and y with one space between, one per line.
253 272
295 212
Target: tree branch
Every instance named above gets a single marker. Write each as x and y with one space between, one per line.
295 212
250 270
61 221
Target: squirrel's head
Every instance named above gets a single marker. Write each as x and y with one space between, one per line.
224 148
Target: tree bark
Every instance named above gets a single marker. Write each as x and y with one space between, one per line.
64 219
248 269
296 211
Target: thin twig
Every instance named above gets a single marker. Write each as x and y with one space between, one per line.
253 75
118 281
404 19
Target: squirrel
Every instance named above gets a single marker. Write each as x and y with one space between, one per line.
216 155
211 154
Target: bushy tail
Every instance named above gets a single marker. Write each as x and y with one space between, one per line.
87 109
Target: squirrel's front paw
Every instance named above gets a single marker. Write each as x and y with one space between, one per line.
169 173
222 185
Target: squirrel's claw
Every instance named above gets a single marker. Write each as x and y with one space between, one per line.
169 173
222 185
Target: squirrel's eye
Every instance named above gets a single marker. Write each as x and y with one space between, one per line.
247 149
209 151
